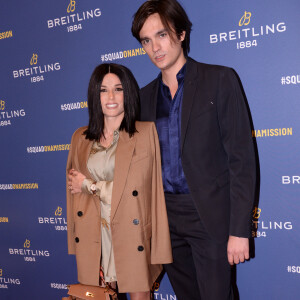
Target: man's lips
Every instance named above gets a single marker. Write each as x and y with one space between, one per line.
159 57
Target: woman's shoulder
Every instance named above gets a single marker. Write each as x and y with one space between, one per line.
79 134
144 126
146 132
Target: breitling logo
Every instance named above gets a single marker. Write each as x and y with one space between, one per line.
245 19
27 244
2 105
59 222
260 228
4 282
58 211
33 60
245 37
155 287
29 254
73 19
71 6
256 212
36 70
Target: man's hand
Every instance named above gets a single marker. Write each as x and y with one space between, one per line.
75 180
237 249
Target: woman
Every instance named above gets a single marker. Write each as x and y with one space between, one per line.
117 221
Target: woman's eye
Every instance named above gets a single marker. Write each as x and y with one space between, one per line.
119 89
102 90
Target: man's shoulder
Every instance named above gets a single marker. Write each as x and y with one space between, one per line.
205 67
194 69
149 87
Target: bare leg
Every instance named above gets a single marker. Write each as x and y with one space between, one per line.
140 296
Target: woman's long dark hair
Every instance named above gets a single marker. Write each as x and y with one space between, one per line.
131 100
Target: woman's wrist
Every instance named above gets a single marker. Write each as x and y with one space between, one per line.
86 186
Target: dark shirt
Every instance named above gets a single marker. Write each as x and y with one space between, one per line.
168 123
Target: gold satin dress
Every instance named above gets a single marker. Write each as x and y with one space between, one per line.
101 165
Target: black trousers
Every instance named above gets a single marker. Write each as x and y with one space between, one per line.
200 270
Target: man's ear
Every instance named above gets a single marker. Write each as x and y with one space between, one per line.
182 36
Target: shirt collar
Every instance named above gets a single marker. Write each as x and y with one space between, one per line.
115 139
179 75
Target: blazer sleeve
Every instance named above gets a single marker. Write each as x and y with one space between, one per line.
161 252
235 128
70 217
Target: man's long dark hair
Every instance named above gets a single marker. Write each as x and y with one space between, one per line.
131 100
172 15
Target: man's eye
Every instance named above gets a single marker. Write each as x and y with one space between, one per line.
163 34
145 42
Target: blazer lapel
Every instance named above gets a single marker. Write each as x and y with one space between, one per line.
124 154
190 87
85 151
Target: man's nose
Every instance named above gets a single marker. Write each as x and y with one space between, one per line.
155 46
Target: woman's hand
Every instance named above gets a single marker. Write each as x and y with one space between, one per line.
75 180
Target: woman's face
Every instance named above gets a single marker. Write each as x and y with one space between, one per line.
112 97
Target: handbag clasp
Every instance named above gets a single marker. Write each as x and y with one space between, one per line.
89 294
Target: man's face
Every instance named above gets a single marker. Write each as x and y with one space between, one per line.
165 51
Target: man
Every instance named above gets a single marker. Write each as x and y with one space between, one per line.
208 160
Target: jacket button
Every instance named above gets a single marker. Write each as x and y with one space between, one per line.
77 239
136 222
79 214
135 193
140 248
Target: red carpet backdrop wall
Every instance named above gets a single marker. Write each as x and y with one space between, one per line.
48 50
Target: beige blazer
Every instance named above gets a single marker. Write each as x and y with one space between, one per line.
139 249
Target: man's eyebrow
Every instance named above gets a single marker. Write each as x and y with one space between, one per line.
157 33
161 31
144 38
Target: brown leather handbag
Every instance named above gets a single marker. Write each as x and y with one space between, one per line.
89 292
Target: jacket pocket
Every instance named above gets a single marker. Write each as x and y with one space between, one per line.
147 231
209 107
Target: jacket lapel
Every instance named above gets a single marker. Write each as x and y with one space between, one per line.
85 151
192 76
84 154
124 154
190 86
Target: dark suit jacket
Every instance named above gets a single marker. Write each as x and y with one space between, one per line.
216 147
